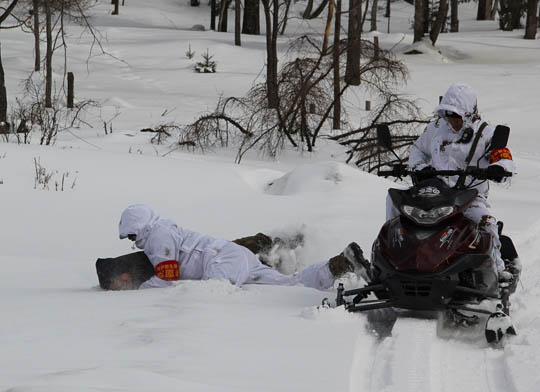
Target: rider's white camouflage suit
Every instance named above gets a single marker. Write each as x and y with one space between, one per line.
442 148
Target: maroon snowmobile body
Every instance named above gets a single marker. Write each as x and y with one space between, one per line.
430 267
432 257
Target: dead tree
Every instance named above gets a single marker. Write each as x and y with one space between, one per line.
402 115
305 104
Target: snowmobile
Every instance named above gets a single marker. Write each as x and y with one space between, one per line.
432 258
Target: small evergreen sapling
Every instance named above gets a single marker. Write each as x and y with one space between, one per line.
207 65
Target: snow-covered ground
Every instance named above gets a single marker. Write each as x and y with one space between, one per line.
59 332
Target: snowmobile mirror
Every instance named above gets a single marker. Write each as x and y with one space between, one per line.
383 136
500 137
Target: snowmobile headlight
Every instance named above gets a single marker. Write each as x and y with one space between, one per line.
430 217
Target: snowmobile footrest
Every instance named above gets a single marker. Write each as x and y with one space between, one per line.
481 293
370 306
363 290
467 309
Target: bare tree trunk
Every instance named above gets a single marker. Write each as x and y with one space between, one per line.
223 16
237 27
4 128
251 24
48 56
454 19
285 17
213 15
387 13
271 17
374 15
37 52
427 16
441 17
516 14
418 20
116 7
3 99
319 10
336 51
494 10
487 11
364 16
481 11
532 22
328 27
352 71
308 9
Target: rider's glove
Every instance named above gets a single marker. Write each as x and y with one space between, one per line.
424 174
495 173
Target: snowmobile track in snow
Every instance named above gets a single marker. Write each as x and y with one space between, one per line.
415 359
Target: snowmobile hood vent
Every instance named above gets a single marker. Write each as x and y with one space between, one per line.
432 193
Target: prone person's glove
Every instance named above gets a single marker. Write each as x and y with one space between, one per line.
496 173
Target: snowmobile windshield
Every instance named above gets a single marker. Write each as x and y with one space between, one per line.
431 201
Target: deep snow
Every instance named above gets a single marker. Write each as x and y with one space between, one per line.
59 332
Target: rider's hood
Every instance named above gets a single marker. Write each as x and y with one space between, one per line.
137 219
461 99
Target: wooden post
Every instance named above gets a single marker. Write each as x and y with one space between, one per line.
368 105
116 5
71 85
440 98
376 42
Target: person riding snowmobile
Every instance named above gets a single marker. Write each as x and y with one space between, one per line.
458 138
172 253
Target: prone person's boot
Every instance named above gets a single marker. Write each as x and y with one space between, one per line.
350 260
255 243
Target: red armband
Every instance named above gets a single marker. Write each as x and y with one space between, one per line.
167 270
501 153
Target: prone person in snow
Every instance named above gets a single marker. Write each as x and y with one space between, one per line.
171 253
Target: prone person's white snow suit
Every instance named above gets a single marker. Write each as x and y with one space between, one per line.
177 253
441 147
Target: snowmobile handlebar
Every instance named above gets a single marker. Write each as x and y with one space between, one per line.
479 173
